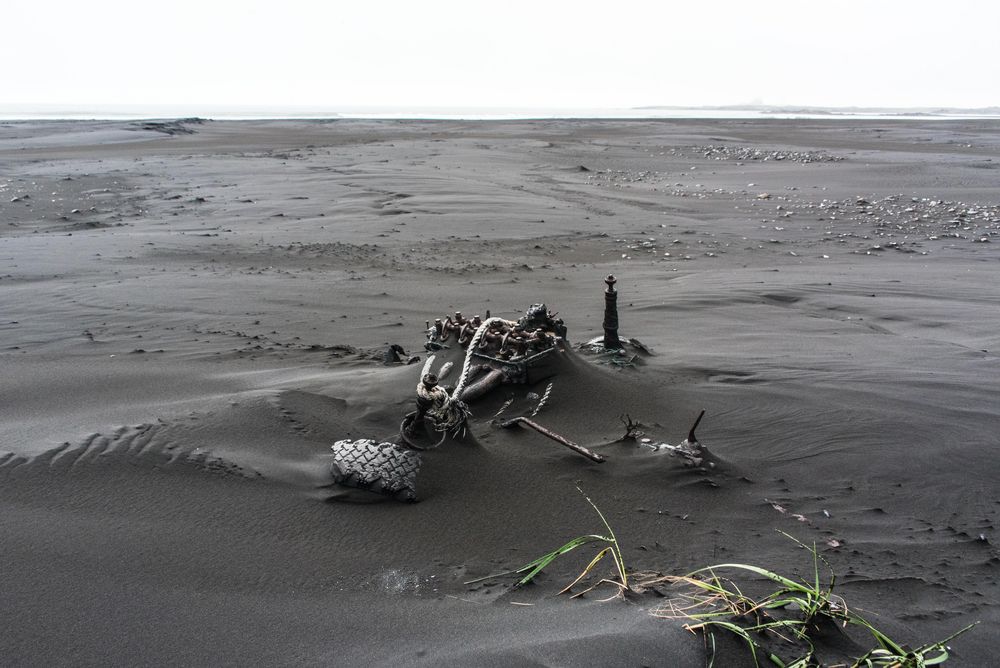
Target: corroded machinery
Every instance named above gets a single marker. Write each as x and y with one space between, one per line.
494 352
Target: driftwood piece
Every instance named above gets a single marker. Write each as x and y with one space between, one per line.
589 454
632 431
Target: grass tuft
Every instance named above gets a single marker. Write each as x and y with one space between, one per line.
531 569
784 625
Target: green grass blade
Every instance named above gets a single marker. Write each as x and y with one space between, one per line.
739 632
815 566
882 639
619 559
546 559
535 567
936 660
586 571
954 635
941 647
770 575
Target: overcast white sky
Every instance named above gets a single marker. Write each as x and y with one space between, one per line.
465 53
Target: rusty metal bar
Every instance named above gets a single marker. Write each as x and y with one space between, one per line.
589 454
691 437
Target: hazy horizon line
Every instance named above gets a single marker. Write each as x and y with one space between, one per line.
122 111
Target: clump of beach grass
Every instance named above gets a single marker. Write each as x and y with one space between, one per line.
785 625
610 550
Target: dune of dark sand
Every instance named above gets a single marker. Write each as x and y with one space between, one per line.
191 319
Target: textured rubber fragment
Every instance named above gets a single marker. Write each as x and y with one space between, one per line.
383 468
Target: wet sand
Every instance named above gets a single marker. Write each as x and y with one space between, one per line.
190 320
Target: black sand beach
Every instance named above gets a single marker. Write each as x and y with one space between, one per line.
193 313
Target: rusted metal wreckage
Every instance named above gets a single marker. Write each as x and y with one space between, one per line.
498 352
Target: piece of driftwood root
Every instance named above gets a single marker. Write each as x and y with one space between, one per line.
632 431
589 454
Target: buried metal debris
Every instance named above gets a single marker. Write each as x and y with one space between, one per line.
575 447
691 450
611 341
492 352
611 348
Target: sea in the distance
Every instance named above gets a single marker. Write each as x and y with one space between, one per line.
139 112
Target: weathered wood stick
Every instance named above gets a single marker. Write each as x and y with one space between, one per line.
593 456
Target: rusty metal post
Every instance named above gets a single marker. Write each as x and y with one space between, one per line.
611 341
589 454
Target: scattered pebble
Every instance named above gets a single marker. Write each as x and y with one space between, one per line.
745 153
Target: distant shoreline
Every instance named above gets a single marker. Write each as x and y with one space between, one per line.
121 113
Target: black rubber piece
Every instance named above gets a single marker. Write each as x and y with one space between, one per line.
383 468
